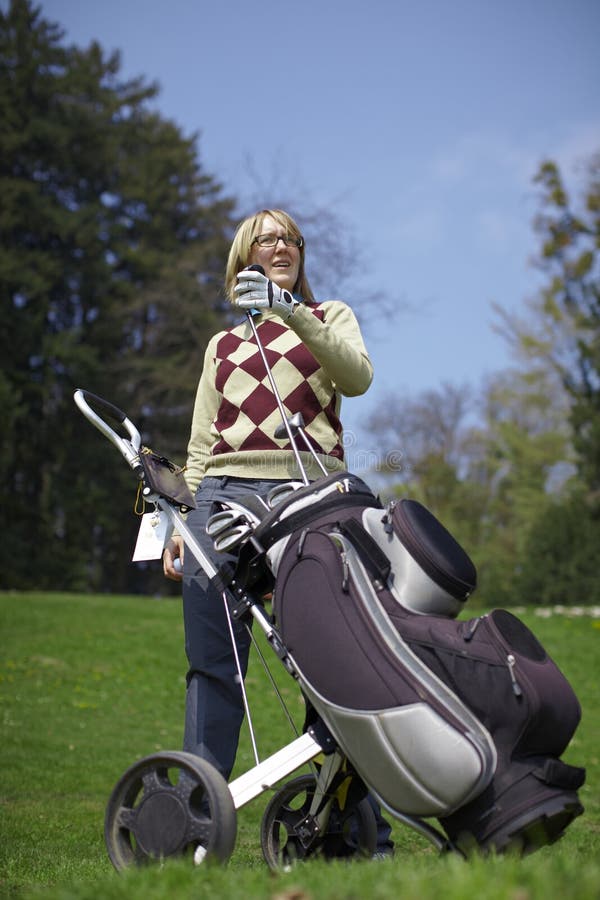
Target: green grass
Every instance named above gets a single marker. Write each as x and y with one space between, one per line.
88 684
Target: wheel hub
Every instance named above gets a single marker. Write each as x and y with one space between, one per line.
161 824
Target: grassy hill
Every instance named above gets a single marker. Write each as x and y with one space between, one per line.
88 684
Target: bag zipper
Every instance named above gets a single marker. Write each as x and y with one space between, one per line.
511 668
345 571
511 661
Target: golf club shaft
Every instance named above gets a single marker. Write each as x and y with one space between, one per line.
311 449
278 399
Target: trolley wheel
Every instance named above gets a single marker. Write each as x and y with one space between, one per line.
287 836
170 804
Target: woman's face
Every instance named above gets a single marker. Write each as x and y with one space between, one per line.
281 263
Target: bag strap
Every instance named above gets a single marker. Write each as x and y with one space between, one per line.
559 774
372 556
307 515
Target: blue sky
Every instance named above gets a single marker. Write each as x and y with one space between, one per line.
421 122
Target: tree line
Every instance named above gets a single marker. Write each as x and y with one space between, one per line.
113 241
521 488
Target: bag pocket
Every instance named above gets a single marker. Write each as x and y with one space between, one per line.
322 622
553 708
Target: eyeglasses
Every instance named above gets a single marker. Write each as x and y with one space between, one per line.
270 240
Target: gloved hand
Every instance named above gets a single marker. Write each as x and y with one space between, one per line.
256 291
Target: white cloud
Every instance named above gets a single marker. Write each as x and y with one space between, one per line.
480 193
483 155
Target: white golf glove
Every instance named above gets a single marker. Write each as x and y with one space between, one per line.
255 291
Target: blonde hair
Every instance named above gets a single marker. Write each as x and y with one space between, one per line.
241 247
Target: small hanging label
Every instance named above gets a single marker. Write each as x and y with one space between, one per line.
151 537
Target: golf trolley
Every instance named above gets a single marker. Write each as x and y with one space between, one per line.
463 722
172 803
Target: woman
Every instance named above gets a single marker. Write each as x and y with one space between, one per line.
317 354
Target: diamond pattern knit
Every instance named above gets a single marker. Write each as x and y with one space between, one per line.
248 413
317 357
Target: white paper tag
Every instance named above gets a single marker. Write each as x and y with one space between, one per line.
151 537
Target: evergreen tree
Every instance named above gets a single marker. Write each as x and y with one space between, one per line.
112 247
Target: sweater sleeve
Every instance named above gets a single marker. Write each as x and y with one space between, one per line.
205 408
337 344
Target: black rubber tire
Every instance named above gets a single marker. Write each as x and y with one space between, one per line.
350 833
167 805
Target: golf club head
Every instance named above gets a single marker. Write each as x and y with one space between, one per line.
281 491
295 422
223 521
232 539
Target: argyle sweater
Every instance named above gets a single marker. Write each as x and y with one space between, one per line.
316 356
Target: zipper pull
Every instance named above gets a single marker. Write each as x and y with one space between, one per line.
472 629
345 572
387 518
300 546
515 684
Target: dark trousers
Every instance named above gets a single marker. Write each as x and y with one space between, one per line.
214 706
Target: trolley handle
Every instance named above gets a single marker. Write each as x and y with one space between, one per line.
128 447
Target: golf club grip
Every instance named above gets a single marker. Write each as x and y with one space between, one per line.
109 408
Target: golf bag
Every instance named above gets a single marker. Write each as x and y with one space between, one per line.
464 721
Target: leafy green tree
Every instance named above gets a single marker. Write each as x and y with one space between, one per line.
486 482
432 435
524 457
571 256
561 330
560 560
560 337
112 248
